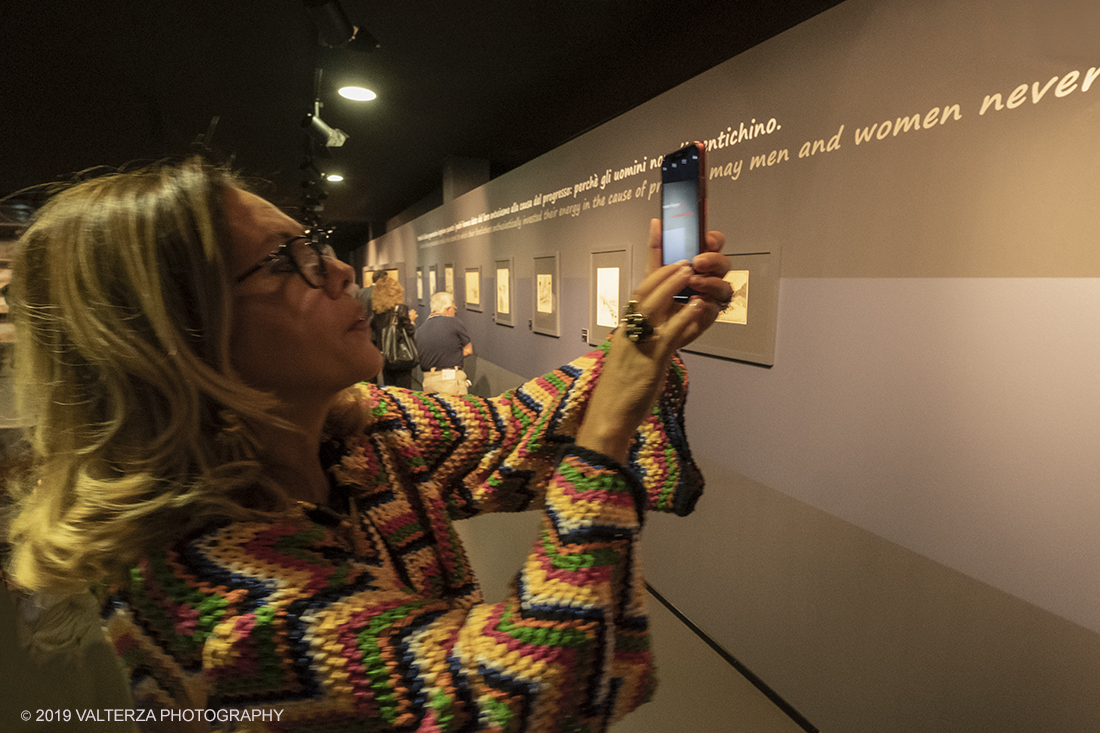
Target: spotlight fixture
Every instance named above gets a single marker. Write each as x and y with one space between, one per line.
320 131
334 177
331 21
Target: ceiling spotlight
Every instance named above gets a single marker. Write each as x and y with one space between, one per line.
320 131
334 177
357 94
331 21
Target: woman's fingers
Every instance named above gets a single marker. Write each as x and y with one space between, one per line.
703 262
659 279
714 241
711 263
654 294
704 275
691 321
659 302
710 267
714 289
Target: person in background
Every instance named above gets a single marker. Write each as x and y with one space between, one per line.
263 533
443 343
390 311
364 293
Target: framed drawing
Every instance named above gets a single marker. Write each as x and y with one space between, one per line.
505 310
473 289
547 318
395 271
431 281
745 331
609 291
449 278
420 286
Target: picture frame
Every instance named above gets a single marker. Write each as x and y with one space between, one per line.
547 305
472 288
393 270
746 330
449 278
609 287
420 286
432 281
504 300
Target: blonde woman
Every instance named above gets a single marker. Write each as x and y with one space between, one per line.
267 534
390 312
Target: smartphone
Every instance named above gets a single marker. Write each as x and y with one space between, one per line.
683 206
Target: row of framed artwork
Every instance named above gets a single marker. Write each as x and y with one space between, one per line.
546 318
745 331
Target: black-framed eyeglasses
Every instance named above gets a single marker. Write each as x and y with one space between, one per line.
304 255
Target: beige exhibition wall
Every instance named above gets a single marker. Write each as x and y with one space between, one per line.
901 527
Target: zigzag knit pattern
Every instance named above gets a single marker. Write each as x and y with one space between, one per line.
372 619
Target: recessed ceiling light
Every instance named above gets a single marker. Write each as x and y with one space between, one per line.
334 177
358 94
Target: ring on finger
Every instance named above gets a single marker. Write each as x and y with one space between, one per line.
636 325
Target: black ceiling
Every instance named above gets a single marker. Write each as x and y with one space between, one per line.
109 82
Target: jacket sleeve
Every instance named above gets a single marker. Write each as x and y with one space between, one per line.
497 454
291 619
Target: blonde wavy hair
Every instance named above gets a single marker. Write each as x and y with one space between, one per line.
140 427
386 294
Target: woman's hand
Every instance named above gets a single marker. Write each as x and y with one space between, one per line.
709 267
634 373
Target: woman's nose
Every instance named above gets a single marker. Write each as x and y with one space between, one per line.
338 276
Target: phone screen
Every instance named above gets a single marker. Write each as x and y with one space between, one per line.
680 205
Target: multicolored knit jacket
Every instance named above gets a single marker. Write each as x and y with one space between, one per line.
373 620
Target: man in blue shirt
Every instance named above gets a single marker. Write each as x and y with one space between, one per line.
443 344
